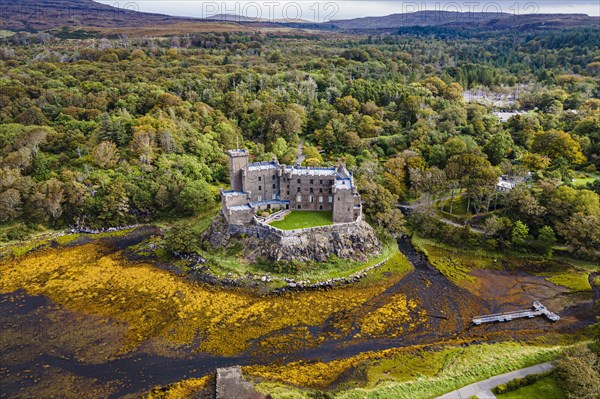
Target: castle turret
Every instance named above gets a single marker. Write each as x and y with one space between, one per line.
238 161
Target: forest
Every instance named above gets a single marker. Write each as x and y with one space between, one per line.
111 131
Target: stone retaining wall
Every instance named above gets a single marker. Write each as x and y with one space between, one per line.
265 231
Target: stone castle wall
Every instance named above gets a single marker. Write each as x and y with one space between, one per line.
300 188
264 231
355 240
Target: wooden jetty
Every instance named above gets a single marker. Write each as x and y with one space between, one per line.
537 310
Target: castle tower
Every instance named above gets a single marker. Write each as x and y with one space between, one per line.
343 205
343 196
238 161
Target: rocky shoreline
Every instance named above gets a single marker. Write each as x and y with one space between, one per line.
201 273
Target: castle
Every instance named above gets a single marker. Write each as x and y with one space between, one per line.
271 185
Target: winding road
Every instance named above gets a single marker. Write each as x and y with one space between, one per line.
483 389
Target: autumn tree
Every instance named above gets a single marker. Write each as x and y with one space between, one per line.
558 144
105 155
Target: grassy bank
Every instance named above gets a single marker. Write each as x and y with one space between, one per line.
457 264
403 373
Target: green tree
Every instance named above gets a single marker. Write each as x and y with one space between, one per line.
547 238
577 373
582 233
520 232
498 148
379 206
182 239
197 196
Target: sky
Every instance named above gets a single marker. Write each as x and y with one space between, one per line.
325 10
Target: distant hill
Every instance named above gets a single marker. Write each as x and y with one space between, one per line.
241 18
34 15
479 21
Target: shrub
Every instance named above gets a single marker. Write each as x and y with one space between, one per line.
500 389
517 383
18 232
182 239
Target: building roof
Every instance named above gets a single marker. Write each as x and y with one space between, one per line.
263 165
342 184
238 152
233 193
506 185
338 173
270 202
245 207
307 171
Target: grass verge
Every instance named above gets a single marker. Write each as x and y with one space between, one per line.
403 373
546 388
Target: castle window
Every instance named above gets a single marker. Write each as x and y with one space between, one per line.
320 199
298 189
260 197
330 191
298 198
321 181
288 186
274 186
259 178
321 190
312 181
299 206
311 198
274 196
331 182
274 177
288 193
299 181
311 189
321 207
259 188
330 199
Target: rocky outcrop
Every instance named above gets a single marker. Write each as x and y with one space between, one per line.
355 241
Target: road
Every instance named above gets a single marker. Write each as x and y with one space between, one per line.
483 389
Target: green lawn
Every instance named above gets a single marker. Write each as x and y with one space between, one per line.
304 219
546 388
585 178
459 206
